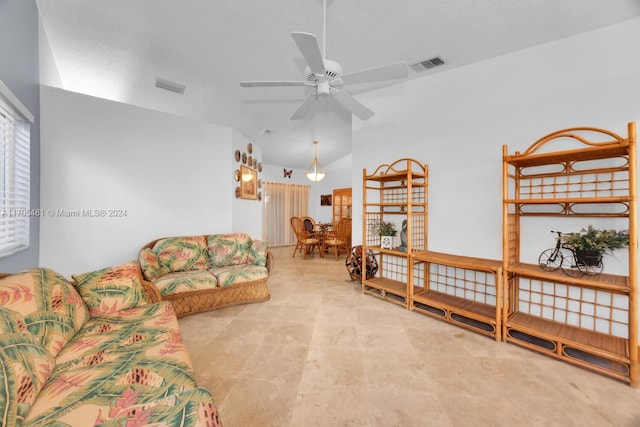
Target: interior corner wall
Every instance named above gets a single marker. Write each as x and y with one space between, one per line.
247 213
115 177
338 176
19 43
457 122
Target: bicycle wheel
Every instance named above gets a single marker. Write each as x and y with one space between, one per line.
570 266
590 270
550 259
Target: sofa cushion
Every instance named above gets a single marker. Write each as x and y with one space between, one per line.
257 254
185 281
25 365
111 289
182 253
238 274
228 249
51 306
150 265
115 363
187 408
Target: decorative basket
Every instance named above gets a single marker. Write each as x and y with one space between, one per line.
587 257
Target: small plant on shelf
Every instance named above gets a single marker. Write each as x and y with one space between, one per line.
592 239
590 244
385 228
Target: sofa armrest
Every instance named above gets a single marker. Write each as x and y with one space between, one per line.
151 291
269 263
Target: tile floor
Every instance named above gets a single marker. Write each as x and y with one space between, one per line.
321 353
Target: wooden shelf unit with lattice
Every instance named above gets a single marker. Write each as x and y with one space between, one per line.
464 291
592 320
394 192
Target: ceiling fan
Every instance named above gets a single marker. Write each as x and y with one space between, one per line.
325 76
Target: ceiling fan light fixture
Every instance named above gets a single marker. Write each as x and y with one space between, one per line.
315 172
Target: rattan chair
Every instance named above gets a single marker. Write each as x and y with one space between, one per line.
306 242
340 238
309 224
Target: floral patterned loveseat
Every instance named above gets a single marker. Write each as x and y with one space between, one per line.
207 272
96 352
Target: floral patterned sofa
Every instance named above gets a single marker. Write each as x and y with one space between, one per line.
99 352
207 272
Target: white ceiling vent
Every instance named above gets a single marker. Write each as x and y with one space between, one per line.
428 64
170 86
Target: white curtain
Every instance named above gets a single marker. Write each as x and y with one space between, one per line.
280 203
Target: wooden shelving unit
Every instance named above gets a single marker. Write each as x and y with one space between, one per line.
464 291
590 321
394 192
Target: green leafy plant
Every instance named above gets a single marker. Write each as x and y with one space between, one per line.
385 228
592 239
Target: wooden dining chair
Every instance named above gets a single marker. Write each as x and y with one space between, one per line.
309 224
340 238
305 241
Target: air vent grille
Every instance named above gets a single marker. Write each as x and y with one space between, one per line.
170 86
428 64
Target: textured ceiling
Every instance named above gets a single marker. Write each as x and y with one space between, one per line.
115 49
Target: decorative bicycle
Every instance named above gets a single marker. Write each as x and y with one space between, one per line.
565 258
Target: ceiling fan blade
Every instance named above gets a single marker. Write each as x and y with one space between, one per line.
305 105
350 103
308 46
276 83
387 72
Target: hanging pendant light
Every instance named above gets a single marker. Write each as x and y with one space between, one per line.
315 172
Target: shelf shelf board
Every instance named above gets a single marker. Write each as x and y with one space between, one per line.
602 281
570 200
399 176
582 339
582 154
388 285
471 263
464 306
378 249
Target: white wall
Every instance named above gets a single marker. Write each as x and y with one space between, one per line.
457 122
338 176
171 175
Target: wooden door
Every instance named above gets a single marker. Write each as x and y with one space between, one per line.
341 204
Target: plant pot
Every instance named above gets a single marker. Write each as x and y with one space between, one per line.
589 257
386 242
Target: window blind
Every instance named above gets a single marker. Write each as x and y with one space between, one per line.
15 138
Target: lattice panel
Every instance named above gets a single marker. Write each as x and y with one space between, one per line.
371 219
394 268
419 274
394 195
474 285
512 239
418 232
418 194
598 311
575 184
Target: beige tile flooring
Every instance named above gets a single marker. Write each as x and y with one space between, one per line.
321 353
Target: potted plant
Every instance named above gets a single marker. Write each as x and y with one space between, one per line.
590 243
386 230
